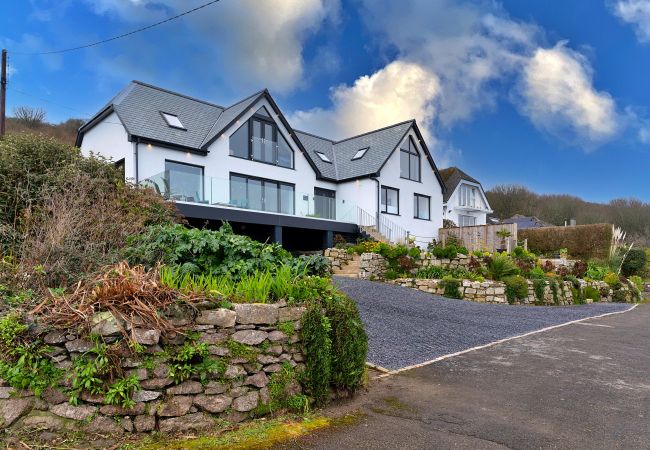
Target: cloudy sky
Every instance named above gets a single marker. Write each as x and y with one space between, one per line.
547 93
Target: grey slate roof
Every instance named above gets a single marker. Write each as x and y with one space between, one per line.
139 105
524 222
452 176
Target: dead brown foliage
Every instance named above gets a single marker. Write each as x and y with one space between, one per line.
133 295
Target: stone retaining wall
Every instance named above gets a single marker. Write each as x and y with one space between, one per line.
372 266
161 404
338 257
495 291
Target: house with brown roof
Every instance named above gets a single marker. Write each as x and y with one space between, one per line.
464 200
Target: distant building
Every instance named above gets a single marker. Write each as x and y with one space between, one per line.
524 222
464 201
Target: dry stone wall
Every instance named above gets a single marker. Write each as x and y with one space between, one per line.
372 266
161 404
338 257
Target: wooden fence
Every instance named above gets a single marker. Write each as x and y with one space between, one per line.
482 237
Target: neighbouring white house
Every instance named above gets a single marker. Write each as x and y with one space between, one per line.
245 164
464 201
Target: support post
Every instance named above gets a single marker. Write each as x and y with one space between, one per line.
277 234
328 239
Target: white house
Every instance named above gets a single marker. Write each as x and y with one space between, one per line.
245 164
465 202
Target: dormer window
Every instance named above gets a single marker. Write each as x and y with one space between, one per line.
359 154
173 120
324 157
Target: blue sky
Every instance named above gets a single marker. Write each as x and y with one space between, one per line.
550 94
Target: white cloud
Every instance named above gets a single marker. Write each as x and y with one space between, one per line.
636 13
558 95
253 43
400 91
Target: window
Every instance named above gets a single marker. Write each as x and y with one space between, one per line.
389 200
259 139
172 120
359 154
324 203
409 161
324 157
466 221
421 207
261 194
185 181
468 196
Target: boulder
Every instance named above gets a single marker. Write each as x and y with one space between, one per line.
175 406
224 318
13 409
258 380
144 423
213 403
146 337
256 313
185 388
68 411
246 402
190 423
250 337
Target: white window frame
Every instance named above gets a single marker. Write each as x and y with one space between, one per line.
173 120
463 219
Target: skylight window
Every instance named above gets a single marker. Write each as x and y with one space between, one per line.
172 120
323 157
359 154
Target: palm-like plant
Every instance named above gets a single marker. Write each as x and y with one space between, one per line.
501 266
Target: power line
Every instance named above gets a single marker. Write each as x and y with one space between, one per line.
121 35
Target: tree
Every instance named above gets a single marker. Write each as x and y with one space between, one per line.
29 116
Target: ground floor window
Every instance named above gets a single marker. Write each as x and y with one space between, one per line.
389 200
466 221
261 194
421 207
184 181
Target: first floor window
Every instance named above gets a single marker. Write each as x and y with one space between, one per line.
185 181
466 221
389 200
421 207
468 196
261 194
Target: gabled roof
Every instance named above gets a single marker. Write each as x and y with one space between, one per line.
139 107
452 176
524 222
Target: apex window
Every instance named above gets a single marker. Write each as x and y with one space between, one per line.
468 196
260 140
389 200
409 160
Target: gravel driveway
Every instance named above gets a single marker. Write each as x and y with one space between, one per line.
406 326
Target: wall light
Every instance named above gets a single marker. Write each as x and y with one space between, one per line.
149 147
189 155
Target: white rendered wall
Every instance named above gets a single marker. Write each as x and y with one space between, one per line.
109 139
424 230
454 210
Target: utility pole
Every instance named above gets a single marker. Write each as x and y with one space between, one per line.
3 92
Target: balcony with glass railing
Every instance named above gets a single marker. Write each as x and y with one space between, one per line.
251 193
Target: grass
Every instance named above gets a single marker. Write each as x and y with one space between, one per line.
258 434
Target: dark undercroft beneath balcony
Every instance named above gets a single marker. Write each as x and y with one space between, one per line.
295 233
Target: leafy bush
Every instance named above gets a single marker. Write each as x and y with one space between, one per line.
613 280
391 274
430 272
516 288
579 268
634 262
450 251
317 349
637 281
539 285
406 263
317 265
501 266
198 251
536 274
414 252
582 241
591 293
596 271
451 287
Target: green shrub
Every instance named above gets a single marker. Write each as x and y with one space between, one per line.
429 272
555 291
516 288
121 392
451 287
536 274
582 241
539 285
634 262
596 271
501 266
613 280
391 274
317 349
590 292
315 265
578 296
619 296
198 251
637 281
414 252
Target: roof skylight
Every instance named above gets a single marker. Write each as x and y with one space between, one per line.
172 120
359 154
323 157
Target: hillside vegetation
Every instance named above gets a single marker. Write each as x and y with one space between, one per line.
632 215
28 120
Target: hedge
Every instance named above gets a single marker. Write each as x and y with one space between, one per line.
582 241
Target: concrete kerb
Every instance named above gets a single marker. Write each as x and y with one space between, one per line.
389 373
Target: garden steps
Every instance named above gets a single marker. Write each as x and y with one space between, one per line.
373 233
350 269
